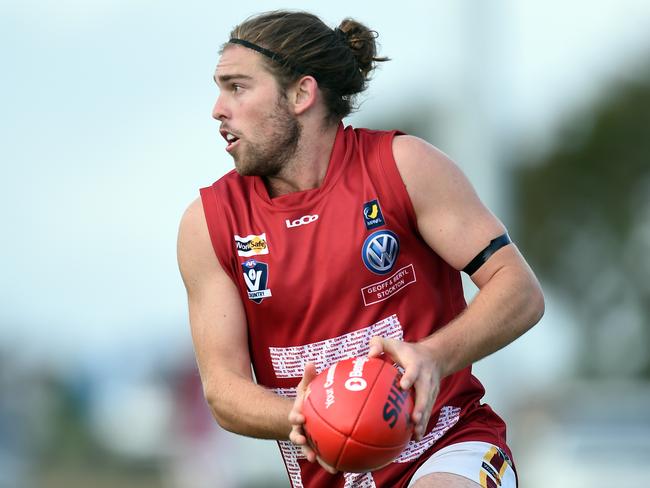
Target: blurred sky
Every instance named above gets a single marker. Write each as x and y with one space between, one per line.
107 136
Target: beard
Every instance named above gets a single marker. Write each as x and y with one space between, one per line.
269 155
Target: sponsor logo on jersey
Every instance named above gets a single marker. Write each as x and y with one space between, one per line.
304 220
380 251
251 245
380 291
256 276
372 215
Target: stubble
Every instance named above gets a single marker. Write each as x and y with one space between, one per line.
267 158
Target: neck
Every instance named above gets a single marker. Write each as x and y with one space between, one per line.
307 168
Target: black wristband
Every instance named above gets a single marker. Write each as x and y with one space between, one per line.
484 255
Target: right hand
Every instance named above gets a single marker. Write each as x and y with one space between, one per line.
297 420
421 371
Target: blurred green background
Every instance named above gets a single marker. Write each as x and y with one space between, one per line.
107 136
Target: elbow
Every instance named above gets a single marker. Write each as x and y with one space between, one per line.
219 411
536 302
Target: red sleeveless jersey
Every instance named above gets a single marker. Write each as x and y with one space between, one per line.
322 271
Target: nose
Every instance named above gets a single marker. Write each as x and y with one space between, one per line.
220 111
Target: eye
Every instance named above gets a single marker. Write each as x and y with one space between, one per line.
236 87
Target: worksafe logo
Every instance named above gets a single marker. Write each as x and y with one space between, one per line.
372 215
251 245
380 251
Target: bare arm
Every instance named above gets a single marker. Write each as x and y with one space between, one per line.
455 224
219 334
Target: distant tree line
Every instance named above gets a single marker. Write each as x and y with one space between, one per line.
583 218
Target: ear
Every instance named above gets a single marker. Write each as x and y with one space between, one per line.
303 94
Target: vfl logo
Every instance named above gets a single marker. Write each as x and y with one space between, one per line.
305 219
256 276
372 215
251 245
380 251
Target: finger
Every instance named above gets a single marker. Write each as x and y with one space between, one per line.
409 377
296 408
297 437
326 467
296 417
426 414
423 403
420 428
417 430
308 375
375 347
310 372
295 414
309 453
392 347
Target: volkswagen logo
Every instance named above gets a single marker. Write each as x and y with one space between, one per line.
380 251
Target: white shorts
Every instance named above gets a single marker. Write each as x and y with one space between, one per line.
480 462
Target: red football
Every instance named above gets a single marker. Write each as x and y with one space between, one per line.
357 418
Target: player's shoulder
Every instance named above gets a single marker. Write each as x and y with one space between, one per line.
195 253
192 224
193 220
420 161
228 188
193 213
231 178
415 151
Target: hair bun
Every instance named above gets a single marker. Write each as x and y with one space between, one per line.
342 36
361 40
295 44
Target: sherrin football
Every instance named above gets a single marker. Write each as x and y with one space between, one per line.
357 418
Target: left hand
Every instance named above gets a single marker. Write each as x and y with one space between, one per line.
297 420
420 371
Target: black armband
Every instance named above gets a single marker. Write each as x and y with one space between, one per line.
484 255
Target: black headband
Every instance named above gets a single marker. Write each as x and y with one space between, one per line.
272 55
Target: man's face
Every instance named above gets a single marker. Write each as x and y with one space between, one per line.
261 131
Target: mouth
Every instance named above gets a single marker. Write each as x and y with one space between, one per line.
230 138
